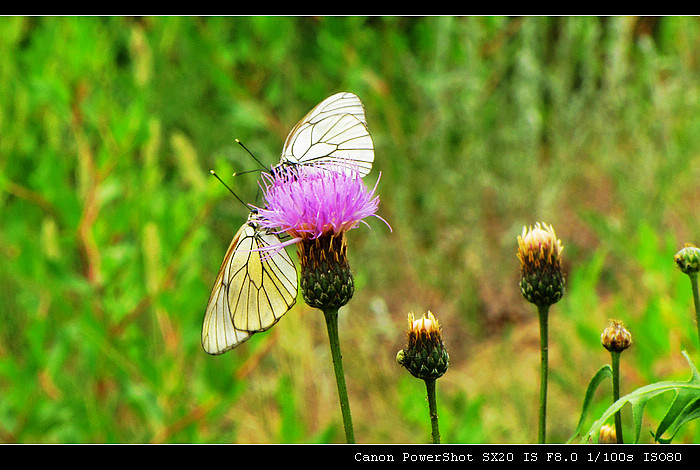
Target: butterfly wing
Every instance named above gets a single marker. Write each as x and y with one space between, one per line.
218 333
334 132
253 290
263 283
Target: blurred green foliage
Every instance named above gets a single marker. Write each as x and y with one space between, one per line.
113 230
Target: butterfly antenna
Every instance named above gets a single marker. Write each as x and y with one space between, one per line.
250 153
244 172
227 187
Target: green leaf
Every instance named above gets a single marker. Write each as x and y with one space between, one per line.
689 413
602 374
684 408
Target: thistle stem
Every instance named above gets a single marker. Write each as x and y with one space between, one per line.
615 355
332 326
432 404
543 311
696 298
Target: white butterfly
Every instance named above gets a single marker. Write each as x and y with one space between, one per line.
334 132
253 289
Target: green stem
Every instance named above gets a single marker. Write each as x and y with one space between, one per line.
432 403
543 311
616 393
696 298
332 326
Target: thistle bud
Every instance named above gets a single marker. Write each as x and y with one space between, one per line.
541 278
688 259
616 338
326 279
425 357
607 435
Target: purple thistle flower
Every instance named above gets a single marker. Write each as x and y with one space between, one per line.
307 202
316 207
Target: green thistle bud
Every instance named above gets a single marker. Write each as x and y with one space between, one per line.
616 338
688 259
401 357
425 357
326 279
541 278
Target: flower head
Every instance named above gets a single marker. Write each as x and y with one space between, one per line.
306 201
539 252
615 337
316 207
688 259
425 356
539 245
607 435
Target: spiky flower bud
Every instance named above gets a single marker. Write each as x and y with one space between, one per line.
541 278
616 338
425 357
688 259
326 279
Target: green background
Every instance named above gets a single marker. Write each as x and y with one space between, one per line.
112 229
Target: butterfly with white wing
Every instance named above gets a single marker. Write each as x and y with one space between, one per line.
333 133
256 285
